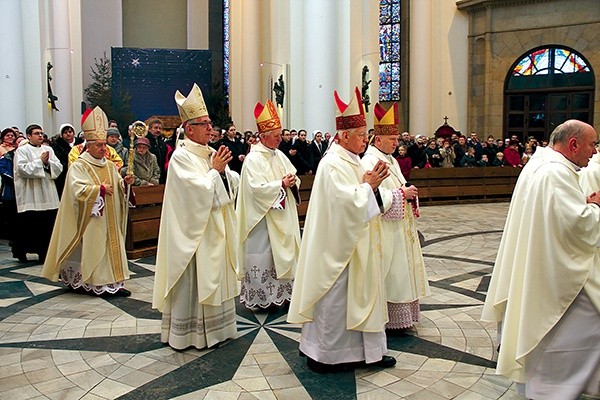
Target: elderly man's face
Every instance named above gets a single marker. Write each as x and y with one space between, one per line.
387 143
586 148
271 139
97 149
354 140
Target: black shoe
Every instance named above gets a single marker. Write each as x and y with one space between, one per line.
20 256
322 368
123 292
385 362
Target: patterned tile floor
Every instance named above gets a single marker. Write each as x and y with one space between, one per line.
59 345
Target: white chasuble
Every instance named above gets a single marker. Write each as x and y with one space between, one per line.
195 281
406 278
261 196
545 259
589 178
197 219
341 234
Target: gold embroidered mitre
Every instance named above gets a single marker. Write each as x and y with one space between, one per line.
94 124
192 106
386 122
266 117
351 115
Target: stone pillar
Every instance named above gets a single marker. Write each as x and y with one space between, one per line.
12 66
320 47
33 44
59 54
420 67
245 61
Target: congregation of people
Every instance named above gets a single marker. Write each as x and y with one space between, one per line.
229 226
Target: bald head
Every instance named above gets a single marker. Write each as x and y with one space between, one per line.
575 140
569 129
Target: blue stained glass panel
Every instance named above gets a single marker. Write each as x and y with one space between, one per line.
389 50
384 15
395 50
396 72
396 13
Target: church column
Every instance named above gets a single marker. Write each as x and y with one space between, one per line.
420 67
33 44
245 61
59 54
320 49
12 66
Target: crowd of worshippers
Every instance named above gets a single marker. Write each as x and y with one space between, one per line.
463 151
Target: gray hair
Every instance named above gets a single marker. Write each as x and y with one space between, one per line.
568 129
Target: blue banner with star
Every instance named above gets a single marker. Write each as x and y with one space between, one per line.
152 76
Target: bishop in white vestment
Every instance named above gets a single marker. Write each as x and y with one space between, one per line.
268 229
545 287
195 281
339 292
404 268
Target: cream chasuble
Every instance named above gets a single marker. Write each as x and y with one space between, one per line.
101 237
260 191
404 268
197 220
337 235
589 179
545 258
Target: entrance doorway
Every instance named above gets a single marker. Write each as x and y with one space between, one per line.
544 88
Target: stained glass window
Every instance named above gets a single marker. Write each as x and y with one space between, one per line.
550 61
226 47
550 67
389 50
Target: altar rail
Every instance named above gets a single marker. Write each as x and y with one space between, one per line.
436 186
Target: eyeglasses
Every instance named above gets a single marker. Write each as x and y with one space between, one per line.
203 123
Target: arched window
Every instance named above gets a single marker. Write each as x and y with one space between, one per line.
545 87
389 50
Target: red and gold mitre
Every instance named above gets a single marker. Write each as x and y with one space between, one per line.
192 106
386 122
266 117
351 115
94 124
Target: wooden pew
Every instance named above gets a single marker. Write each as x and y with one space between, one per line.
144 221
459 185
